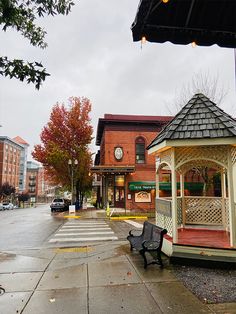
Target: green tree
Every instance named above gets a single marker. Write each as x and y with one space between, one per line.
66 137
21 15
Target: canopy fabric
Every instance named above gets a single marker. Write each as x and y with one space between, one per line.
184 21
142 185
164 186
112 169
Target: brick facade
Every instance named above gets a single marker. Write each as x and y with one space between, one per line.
9 162
124 131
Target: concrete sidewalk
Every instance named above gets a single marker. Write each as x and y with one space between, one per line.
101 277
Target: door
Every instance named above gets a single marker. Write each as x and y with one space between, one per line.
119 197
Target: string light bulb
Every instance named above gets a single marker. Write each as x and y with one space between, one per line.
165 1
143 40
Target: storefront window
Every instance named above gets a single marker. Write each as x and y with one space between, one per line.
120 180
110 195
119 190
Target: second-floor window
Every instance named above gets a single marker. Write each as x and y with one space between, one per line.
140 150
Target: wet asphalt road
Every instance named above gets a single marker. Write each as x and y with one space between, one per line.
96 277
27 227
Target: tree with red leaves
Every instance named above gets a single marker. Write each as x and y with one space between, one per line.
66 137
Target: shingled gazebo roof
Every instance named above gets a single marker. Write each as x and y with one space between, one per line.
200 118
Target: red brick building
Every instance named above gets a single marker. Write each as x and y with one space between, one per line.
126 169
38 188
10 153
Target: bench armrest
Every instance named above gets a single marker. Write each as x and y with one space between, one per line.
135 232
151 245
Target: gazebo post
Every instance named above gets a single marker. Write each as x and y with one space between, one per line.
182 198
232 227
157 190
223 195
174 197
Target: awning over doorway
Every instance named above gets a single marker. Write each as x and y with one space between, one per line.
185 21
142 185
112 169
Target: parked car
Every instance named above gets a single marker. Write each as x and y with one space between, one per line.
7 205
59 204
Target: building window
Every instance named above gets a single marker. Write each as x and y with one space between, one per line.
140 150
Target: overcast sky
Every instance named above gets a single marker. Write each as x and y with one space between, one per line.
91 53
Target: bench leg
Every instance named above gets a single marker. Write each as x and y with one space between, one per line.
142 252
159 258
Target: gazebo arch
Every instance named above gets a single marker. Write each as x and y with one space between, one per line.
201 135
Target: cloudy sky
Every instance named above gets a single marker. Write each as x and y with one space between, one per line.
91 53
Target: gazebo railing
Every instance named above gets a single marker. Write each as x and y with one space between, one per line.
204 210
193 210
164 214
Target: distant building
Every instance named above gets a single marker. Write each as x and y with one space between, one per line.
10 153
37 186
23 162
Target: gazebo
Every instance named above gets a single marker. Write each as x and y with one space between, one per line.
199 227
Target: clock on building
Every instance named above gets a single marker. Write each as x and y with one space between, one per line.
118 152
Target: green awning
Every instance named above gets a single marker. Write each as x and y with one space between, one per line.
164 186
142 185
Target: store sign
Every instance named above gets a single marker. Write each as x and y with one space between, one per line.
142 186
142 197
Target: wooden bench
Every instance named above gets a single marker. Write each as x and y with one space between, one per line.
150 240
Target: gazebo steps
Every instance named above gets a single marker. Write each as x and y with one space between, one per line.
202 256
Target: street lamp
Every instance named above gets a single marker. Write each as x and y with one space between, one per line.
72 163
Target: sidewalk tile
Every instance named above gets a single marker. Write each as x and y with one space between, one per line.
125 299
173 297
19 263
223 308
63 301
112 273
13 302
68 277
19 281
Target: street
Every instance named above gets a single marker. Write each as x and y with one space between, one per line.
50 264
37 227
27 227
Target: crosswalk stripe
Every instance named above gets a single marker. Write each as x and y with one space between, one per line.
83 239
83 229
85 223
95 227
83 233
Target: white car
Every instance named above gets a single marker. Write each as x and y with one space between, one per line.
7 205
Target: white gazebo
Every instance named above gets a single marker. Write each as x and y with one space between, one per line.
199 227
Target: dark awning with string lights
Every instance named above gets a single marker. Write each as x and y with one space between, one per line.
112 169
204 22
